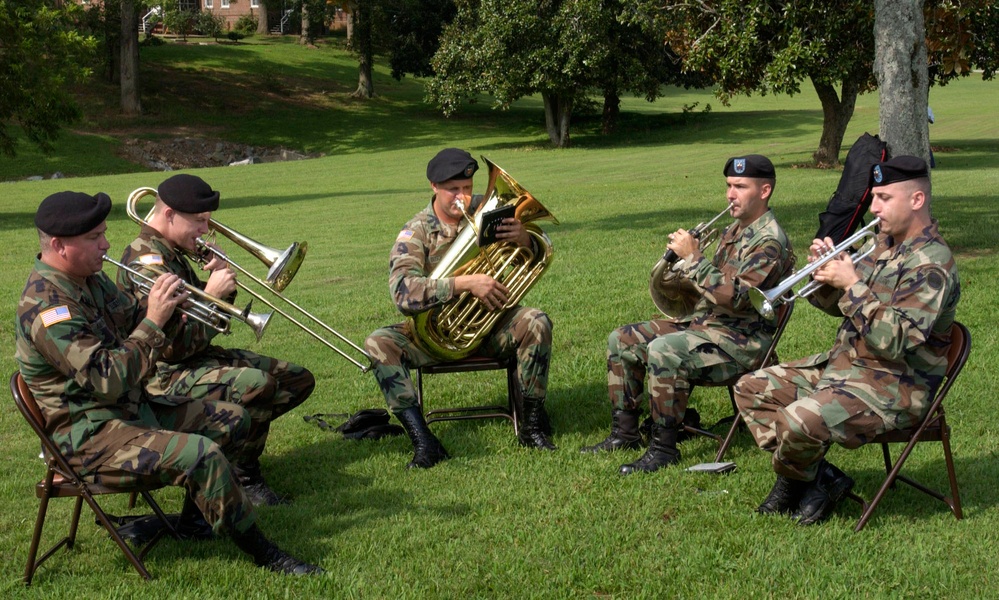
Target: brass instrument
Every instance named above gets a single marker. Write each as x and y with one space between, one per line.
454 330
213 312
282 268
674 295
766 301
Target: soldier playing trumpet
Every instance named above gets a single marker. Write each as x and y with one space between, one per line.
721 337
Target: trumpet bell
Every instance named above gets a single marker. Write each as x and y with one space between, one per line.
256 321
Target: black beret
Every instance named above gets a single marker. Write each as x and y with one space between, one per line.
66 214
188 194
451 163
900 168
751 165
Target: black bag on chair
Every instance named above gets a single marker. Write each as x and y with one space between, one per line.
845 211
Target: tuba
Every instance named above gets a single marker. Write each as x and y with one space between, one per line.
673 294
454 330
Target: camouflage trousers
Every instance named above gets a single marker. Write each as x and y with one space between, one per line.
188 450
662 359
266 387
792 413
523 332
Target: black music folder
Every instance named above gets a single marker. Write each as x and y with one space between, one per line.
492 218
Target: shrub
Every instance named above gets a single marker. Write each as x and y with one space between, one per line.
235 35
210 24
247 25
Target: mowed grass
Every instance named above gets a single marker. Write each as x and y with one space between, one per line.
498 520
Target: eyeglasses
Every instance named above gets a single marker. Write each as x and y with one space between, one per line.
320 419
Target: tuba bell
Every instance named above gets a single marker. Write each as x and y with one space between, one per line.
673 294
454 330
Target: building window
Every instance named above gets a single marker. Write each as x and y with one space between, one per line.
254 3
209 3
225 3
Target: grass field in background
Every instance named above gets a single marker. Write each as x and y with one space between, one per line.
498 520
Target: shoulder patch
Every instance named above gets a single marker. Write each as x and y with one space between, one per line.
151 259
56 314
935 280
771 252
404 235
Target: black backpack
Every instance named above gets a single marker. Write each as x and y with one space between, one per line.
845 211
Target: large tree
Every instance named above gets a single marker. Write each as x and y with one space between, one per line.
41 55
772 46
131 104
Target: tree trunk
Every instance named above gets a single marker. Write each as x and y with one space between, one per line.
305 38
558 112
351 10
836 115
262 26
612 109
362 47
130 103
901 71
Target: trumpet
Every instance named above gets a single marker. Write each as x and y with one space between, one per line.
766 301
282 268
199 311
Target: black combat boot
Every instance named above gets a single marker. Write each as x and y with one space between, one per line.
783 497
821 497
624 434
191 525
248 475
661 452
266 554
531 430
427 449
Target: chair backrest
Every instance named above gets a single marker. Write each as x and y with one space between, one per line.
957 355
28 406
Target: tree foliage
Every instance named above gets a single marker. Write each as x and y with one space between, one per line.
961 35
41 55
768 46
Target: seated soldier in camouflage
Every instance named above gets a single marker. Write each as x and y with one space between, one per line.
721 337
890 352
266 387
84 349
524 332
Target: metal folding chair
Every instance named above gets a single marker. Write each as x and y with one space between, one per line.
62 481
933 428
467 365
784 311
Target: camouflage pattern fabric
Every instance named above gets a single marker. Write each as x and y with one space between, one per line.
266 387
722 337
419 247
890 354
84 351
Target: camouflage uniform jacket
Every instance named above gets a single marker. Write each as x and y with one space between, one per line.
892 345
84 353
152 248
758 255
417 251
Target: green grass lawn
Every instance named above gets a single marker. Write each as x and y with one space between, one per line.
498 520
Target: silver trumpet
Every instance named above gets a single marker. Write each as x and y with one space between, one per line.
213 312
766 301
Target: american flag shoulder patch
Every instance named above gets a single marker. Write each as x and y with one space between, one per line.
404 235
56 314
151 259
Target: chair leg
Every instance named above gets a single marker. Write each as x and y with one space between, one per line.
955 495
723 448
113 531
36 537
74 525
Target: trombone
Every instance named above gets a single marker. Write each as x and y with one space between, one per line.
282 268
766 301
